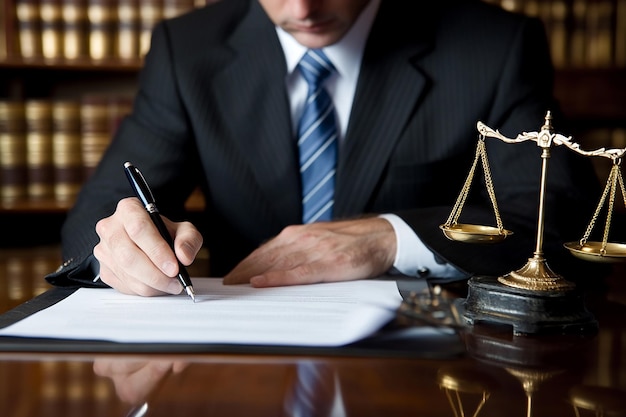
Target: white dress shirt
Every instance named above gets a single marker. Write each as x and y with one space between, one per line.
413 258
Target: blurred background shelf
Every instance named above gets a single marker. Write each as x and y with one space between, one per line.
68 60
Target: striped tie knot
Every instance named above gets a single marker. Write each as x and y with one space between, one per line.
315 67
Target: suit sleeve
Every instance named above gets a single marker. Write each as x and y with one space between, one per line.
157 126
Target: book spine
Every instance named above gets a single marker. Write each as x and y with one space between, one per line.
29 29
5 305
173 8
559 33
578 33
11 31
18 274
42 261
128 29
12 152
4 28
95 129
39 163
620 33
150 13
74 29
516 6
599 47
531 8
21 279
66 150
101 15
51 17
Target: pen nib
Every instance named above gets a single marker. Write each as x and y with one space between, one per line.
191 293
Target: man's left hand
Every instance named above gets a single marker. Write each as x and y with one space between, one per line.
320 252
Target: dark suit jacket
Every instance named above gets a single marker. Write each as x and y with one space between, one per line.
212 110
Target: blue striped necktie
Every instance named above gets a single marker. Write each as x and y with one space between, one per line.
317 140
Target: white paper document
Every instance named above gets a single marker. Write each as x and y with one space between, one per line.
329 314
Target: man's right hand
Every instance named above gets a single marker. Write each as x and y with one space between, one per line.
135 259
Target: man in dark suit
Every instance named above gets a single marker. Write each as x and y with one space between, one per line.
217 107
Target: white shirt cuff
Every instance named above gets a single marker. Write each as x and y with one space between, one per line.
413 258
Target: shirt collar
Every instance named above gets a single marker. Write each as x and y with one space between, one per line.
346 54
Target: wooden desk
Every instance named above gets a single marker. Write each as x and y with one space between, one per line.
509 376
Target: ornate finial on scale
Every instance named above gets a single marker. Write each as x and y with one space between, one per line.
534 298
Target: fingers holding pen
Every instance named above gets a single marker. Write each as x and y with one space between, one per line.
187 242
129 281
133 256
124 263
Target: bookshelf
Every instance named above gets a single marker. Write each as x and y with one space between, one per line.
60 50
588 47
68 73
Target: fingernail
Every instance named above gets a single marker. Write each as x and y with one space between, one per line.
174 287
169 269
188 249
259 281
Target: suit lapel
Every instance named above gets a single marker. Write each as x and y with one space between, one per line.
388 92
254 82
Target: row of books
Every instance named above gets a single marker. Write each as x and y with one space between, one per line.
73 30
582 33
48 147
22 273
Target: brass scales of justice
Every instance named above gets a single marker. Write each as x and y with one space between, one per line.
534 299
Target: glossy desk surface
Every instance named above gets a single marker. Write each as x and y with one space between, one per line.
498 374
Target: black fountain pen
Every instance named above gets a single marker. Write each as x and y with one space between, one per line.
143 192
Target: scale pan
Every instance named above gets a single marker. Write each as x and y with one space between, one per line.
592 251
474 233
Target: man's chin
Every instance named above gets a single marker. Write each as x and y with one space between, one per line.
314 40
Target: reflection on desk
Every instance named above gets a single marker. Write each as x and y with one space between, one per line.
263 385
498 375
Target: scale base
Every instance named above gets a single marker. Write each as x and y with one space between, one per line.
528 311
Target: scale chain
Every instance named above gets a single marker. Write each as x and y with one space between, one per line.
460 201
481 153
490 188
615 178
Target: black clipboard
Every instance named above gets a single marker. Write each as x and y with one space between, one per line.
396 339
